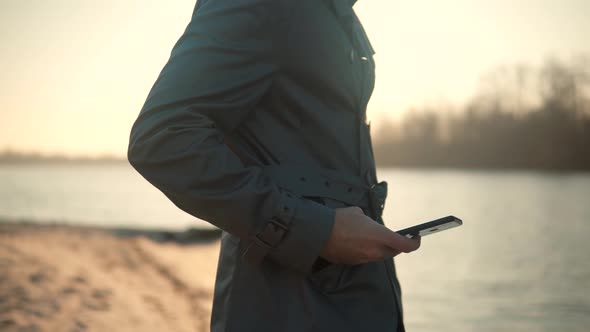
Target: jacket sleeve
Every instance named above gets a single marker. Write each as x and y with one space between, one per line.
218 71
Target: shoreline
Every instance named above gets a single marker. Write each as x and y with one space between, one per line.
62 277
190 235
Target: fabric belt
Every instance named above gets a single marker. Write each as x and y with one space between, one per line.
315 182
321 182
311 182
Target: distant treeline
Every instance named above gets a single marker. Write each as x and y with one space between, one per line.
521 117
13 157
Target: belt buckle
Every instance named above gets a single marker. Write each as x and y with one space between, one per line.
377 195
273 233
266 240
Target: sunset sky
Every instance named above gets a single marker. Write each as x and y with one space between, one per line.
75 73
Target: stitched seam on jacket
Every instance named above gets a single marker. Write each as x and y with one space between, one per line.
231 292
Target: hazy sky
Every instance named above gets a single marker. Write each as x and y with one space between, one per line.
75 73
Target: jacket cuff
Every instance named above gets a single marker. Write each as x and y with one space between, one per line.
295 235
306 236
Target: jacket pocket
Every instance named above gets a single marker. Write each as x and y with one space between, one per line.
326 276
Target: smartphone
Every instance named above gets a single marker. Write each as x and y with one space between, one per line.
431 227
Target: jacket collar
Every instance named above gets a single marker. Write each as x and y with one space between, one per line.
342 7
345 13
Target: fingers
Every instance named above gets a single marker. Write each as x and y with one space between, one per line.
356 210
378 253
394 253
412 244
388 252
418 239
402 243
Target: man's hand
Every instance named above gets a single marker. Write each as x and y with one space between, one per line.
357 239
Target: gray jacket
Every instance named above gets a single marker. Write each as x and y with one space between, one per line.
257 125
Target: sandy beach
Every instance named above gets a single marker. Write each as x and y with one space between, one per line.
69 278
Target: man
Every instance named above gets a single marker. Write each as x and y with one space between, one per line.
257 125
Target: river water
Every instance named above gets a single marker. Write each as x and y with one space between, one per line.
520 262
